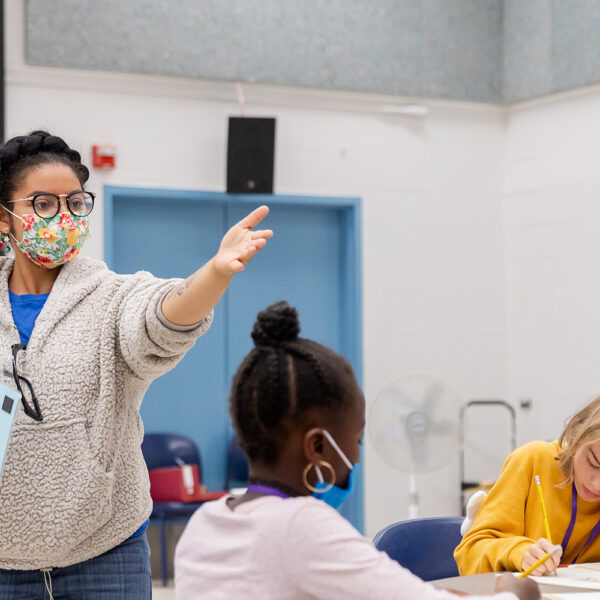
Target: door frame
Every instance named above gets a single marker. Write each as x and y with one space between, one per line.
350 208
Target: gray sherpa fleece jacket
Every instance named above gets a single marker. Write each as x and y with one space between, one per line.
75 484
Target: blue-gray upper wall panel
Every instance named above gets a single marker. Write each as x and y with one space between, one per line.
550 46
527 49
576 43
430 48
462 49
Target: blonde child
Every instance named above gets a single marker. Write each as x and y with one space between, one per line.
509 533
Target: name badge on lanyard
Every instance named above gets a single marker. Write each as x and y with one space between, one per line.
9 400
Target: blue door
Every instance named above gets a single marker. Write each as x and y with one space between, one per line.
174 238
302 264
172 233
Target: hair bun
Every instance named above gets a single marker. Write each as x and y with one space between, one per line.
32 143
27 145
37 142
276 324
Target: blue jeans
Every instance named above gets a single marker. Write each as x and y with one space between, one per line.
122 573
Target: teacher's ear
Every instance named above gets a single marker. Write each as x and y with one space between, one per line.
4 221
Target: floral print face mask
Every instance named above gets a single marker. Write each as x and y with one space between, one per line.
49 243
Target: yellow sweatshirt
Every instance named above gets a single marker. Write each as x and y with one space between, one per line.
510 519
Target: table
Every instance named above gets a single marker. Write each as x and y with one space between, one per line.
483 583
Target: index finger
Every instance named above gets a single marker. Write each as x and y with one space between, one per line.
556 555
555 552
255 217
548 546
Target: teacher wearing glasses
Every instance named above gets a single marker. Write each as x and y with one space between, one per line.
82 344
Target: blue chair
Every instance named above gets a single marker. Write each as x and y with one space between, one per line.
423 546
161 450
237 466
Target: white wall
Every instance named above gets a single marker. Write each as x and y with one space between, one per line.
552 205
433 246
433 284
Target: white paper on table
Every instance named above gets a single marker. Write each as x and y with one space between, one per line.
573 596
584 575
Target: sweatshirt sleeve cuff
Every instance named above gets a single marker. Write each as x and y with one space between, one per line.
516 555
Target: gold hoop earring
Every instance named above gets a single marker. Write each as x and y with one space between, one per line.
321 463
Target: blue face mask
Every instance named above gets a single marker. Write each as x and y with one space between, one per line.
334 495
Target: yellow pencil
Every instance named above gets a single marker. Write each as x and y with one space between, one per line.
542 560
538 485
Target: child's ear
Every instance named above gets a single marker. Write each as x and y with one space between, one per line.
314 444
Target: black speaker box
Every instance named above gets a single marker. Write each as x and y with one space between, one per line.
250 155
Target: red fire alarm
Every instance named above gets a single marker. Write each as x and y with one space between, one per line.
104 156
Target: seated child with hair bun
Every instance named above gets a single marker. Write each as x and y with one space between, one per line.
299 415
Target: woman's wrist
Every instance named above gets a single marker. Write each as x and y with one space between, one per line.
192 300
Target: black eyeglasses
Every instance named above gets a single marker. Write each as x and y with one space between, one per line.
47 205
35 412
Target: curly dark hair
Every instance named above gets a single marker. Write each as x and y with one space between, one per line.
284 381
21 154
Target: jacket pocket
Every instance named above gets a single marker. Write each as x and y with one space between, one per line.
53 494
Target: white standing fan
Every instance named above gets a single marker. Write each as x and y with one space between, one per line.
414 426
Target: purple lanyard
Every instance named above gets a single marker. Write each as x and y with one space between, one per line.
265 489
569 531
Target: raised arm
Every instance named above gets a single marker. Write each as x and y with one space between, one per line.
192 300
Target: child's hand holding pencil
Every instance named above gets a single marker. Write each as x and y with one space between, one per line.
543 557
542 549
